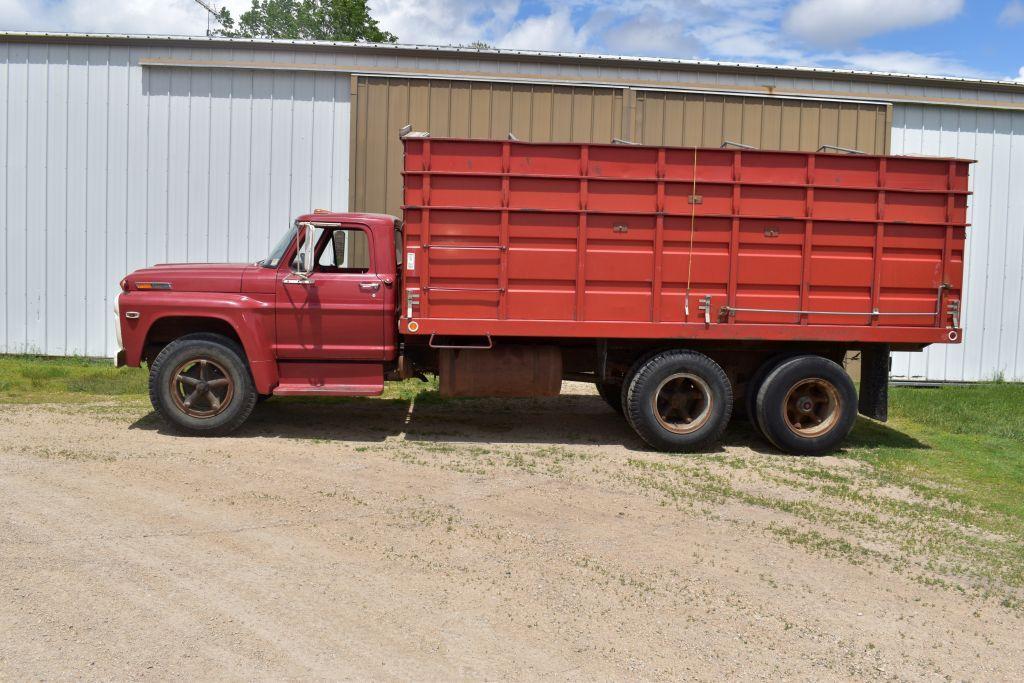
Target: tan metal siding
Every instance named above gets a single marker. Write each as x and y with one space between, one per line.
552 113
707 120
465 109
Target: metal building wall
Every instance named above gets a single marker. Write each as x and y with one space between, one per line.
993 318
703 120
106 166
549 113
481 109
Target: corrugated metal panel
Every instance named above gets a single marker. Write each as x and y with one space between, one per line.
994 271
107 167
535 113
671 118
540 113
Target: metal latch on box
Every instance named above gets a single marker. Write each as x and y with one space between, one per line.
953 308
705 305
411 299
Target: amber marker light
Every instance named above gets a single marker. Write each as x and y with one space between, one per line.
152 285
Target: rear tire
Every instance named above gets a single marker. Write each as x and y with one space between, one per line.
755 384
807 405
612 395
200 384
678 401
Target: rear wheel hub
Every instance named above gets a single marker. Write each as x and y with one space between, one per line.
812 407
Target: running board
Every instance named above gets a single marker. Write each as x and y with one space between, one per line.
301 378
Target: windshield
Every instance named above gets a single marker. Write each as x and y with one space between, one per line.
278 251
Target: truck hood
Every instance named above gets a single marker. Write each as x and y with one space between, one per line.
194 277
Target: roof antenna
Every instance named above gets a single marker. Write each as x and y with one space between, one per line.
211 12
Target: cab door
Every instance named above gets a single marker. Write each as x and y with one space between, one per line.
338 311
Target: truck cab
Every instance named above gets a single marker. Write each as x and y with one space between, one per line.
317 316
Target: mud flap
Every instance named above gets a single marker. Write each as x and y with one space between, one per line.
507 372
874 382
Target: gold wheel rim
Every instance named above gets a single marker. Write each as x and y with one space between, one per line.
812 407
201 388
682 404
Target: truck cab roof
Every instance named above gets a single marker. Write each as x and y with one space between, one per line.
321 216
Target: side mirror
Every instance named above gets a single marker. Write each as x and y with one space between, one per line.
305 260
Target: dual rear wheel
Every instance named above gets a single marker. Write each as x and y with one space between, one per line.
805 405
682 400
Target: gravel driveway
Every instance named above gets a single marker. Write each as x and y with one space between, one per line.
484 539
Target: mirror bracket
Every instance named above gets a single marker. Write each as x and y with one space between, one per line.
306 256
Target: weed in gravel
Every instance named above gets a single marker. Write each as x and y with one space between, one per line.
71 455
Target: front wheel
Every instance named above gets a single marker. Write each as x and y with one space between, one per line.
201 385
807 405
678 400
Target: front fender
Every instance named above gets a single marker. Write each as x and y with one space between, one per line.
251 317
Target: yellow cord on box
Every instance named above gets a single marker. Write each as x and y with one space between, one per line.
693 220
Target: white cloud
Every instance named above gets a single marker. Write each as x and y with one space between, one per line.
554 31
1012 14
1020 76
646 33
445 22
460 22
843 22
746 40
173 17
899 62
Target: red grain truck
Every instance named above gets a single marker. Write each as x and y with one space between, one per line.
678 280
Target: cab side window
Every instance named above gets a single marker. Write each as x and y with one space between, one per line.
346 250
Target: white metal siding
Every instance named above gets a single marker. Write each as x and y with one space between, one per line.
106 167
993 319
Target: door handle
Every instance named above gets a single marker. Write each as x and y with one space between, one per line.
297 281
369 286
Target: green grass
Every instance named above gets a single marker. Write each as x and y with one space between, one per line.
34 379
40 379
961 443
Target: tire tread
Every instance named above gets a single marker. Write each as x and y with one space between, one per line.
245 390
642 374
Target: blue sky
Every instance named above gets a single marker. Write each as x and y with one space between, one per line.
974 38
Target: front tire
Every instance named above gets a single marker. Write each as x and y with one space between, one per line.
679 401
200 384
807 405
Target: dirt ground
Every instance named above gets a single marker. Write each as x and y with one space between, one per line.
486 539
